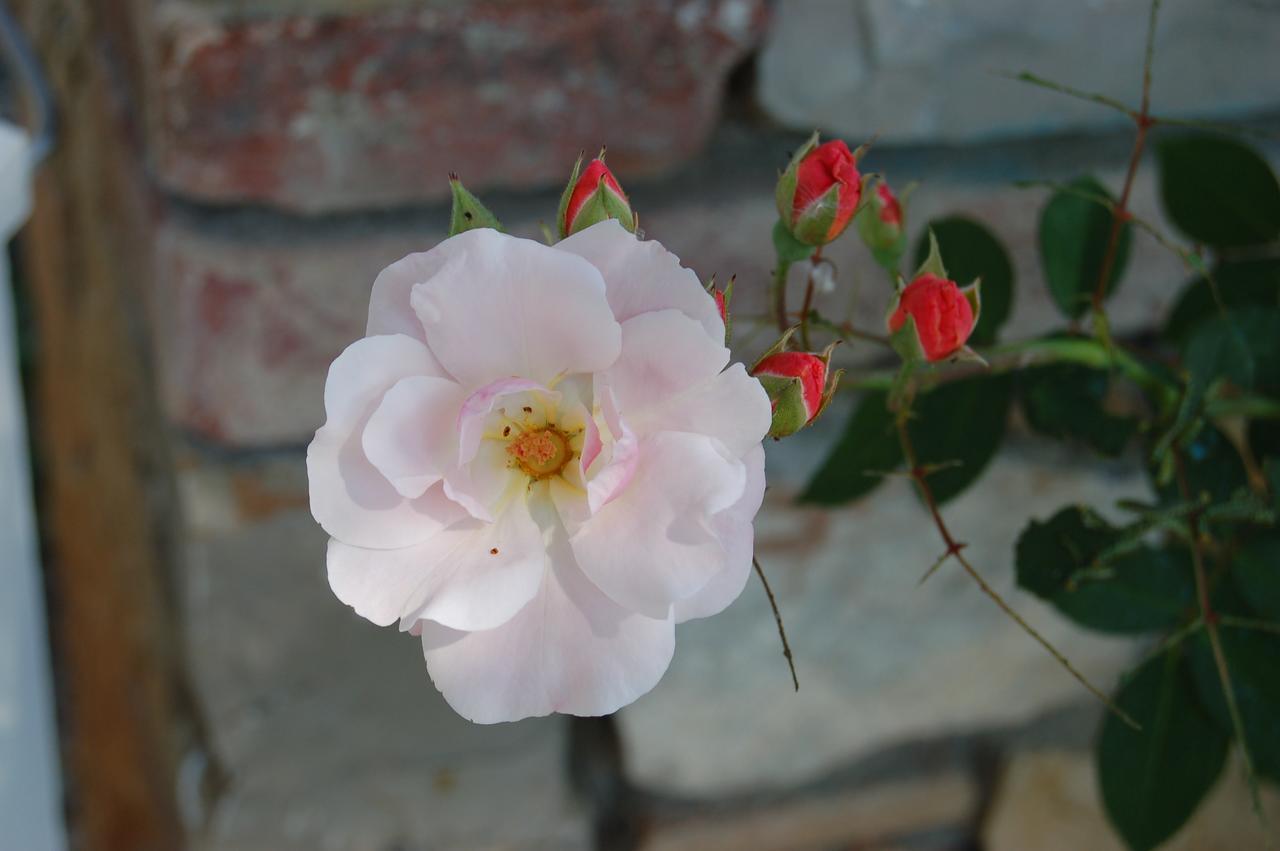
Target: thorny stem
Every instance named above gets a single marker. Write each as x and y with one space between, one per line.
780 295
1120 215
814 260
1248 623
1211 621
782 632
954 549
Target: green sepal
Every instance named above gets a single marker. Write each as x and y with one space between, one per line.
932 264
568 193
789 412
906 340
814 225
785 192
779 346
727 295
973 295
467 212
787 248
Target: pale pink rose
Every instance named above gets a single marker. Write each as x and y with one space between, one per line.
538 461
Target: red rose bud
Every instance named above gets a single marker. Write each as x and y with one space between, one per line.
819 191
888 207
797 386
941 316
723 297
880 225
592 196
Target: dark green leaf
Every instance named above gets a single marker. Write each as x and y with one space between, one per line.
1213 467
1219 191
971 251
869 445
1154 778
1074 234
1049 554
1241 284
787 247
1066 401
1242 348
1256 569
960 424
1251 658
1143 589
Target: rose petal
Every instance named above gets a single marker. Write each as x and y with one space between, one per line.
471 575
663 354
350 498
571 650
389 308
654 544
730 406
481 485
641 276
734 528
506 307
411 437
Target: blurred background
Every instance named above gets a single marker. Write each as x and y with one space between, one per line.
225 179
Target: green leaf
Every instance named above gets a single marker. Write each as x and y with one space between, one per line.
1067 402
788 248
1153 779
1241 284
971 251
960 425
1050 553
1219 191
869 445
1242 348
1251 660
1256 570
1213 467
1074 232
467 212
1141 590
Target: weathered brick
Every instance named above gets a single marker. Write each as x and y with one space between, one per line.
372 105
249 311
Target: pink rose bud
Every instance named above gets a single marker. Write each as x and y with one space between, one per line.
797 386
592 196
943 315
819 191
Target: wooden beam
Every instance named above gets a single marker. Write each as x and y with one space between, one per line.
105 493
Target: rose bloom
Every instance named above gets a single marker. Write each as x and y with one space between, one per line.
538 461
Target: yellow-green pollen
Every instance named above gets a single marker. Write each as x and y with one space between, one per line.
541 453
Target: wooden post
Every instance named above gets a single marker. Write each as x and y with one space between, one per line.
104 486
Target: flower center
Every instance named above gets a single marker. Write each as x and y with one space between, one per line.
541 453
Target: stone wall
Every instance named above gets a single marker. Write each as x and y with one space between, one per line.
284 151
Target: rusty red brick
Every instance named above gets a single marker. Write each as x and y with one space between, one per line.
330 111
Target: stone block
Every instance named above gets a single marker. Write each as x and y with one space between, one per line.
350 106
329 728
880 659
1049 801
928 71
